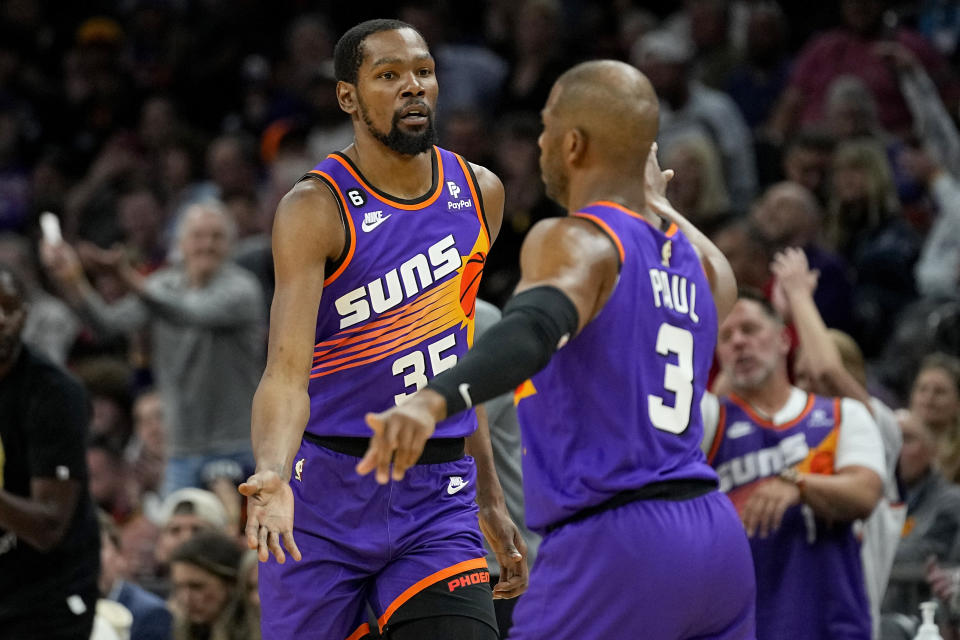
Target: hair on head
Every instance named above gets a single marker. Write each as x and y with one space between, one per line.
348 53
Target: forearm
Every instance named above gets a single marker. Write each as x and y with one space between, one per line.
489 491
218 306
840 497
821 352
35 522
279 417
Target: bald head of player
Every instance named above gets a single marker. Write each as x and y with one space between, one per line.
598 125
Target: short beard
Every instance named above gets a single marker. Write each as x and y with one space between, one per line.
396 140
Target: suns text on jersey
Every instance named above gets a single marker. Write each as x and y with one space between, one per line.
386 292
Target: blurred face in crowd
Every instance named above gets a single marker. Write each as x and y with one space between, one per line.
13 314
918 450
686 187
205 241
934 399
786 214
180 528
396 91
113 566
148 422
745 254
106 480
141 219
201 595
850 183
808 167
751 346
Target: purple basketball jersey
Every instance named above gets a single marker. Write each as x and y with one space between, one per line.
398 306
619 406
809 576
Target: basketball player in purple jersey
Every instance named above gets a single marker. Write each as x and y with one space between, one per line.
610 339
394 232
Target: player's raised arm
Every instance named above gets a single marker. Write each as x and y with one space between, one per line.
307 233
723 284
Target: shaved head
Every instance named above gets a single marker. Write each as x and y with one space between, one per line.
614 104
601 115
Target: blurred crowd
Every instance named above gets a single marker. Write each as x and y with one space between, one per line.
164 132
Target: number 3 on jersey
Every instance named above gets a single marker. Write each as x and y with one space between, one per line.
677 378
413 366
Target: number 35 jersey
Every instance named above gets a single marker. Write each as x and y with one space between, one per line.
618 407
398 304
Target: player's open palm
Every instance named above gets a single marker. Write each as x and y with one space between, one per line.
269 516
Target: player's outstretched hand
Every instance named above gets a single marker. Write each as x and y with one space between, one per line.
511 551
399 435
763 511
655 179
269 516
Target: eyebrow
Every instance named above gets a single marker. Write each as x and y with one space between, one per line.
394 60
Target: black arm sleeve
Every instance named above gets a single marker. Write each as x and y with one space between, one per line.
533 325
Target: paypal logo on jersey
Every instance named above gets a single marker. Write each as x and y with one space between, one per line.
454 189
386 292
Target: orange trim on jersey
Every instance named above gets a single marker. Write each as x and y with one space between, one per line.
603 225
381 352
353 231
460 567
473 192
837 413
718 436
394 203
407 335
671 230
767 424
361 341
361 631
629 212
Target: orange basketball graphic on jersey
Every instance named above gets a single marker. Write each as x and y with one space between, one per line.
470 283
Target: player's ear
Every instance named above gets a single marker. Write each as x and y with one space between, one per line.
574 145
347 96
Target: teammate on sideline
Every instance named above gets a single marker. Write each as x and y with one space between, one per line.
610 338
393 231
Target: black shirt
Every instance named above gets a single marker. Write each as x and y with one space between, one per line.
43 428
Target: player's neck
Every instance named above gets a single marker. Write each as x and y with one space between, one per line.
768 398
595 186
402 176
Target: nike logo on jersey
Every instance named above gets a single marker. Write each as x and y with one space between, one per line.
456 484
373 219
739 429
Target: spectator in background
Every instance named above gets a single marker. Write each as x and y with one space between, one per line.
206 318
517 162
49 544
756 83
184 514
937 271
686 104
806 161
697 187
112 486
829 363
146 453
151 619
935 401
852 49
51 327
204 572
746 250
823 470
537 55
141 219
933 516
787 215
864 225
